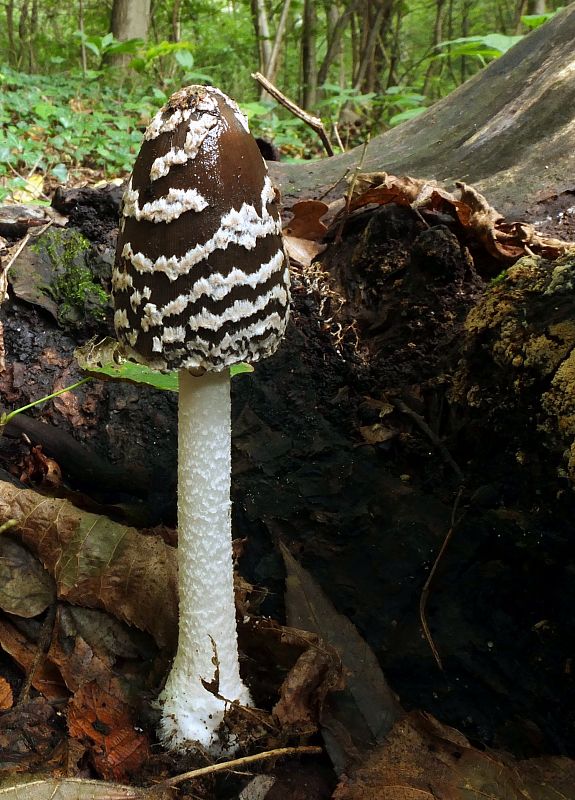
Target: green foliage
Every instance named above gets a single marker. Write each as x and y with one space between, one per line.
484 48
64 125
532 21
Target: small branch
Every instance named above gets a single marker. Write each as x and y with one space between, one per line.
425 591
349 193
435 440
19 249
314 123
42 647
241 762
23 244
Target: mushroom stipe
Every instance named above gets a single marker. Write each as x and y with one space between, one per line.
201 283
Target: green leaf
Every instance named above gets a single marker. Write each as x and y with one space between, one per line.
532 21
61 172
184 58
105 359
410 113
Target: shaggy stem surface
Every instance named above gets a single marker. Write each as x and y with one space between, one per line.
207 644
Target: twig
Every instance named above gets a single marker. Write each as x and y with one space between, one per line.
314 123
349 193
426 585
43 645
435 440
240 762
23 244
15 255
27 180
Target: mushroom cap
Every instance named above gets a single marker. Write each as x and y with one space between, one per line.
201 278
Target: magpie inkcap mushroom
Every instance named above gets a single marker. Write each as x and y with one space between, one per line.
201 282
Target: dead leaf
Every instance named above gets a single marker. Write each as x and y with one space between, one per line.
98 563
306 221
377 434
26 589
302 694
41 470
29 734
46 679
6 697
257 788
118 748
365 711
425 760
31 191
78 789
302 252
502 239
79 653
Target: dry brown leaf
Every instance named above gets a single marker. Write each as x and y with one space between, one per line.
102 720
306 221
79 789
425 760
73 655
29 737
6 696
46 679
390 189
26 589
316 672
377 434
308 607
506 241
98 563
302 251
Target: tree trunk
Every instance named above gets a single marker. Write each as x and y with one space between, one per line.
130 20
372 29
509 131
309 56
10 32
262 29
176 21
434 68
271 67
335 34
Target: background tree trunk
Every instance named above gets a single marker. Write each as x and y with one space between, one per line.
309 56
130 20
262 29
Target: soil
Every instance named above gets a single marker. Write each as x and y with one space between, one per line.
358 444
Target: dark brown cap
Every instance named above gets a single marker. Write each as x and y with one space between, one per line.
200 279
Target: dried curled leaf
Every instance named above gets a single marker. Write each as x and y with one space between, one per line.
98 563
424 759
105 723
26 589
502 239
6 697
306 221
77 789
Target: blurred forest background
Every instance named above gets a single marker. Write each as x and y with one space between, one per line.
80 80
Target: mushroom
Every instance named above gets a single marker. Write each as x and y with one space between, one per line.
200 283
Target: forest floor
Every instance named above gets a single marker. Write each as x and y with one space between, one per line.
408 445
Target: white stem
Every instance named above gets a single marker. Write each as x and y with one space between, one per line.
207 635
